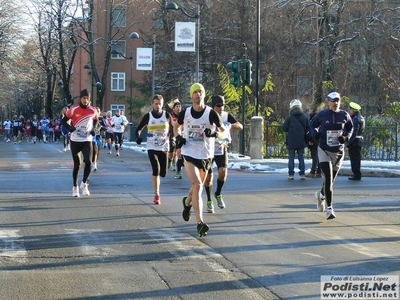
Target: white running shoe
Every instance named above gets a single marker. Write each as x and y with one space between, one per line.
320 201
84 188
94 167
65 149
68 147
330 214
75 191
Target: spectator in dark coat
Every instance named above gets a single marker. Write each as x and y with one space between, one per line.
296 125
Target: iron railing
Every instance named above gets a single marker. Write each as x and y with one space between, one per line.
380 143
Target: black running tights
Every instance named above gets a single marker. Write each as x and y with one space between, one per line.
329 178
87 149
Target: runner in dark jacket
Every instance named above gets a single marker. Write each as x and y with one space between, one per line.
333 127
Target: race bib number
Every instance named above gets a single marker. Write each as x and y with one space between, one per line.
196 133
82 132
159 137
332 137
219 149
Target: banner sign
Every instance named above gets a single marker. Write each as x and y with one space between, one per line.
144 59
185 36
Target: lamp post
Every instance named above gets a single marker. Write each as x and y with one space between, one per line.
135 35
174 6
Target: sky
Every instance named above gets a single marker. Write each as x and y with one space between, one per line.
274 165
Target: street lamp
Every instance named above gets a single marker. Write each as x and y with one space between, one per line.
135 35
174 6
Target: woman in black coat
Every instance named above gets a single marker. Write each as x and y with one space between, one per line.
296 125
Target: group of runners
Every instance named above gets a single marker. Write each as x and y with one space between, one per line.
32 130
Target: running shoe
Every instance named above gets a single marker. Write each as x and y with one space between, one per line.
302 177
186 210
75 191
330 214
210 207
65 150
117 153
68 147
157 200
220 201
202 228
84 188
109 152
94 167
290 177
320 201
178 175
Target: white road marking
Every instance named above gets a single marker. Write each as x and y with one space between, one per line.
11 245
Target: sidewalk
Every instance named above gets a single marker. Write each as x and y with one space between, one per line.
279 165
368 168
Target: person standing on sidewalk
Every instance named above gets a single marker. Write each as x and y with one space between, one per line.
333 126
159 123
83 122
315 171
296 125
197 144
220 154
355 141
119 122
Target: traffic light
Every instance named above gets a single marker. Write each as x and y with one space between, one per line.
234 67
248 72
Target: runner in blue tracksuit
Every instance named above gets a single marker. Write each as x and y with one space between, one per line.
333 127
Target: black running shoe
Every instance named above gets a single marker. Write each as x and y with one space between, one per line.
186 210
202 229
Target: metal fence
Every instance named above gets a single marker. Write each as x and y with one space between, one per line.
380 143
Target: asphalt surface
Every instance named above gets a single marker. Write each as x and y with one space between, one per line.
268 243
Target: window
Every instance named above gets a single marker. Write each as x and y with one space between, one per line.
120 46
114 107
117 81
119 17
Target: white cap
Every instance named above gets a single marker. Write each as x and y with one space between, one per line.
295 102
332 96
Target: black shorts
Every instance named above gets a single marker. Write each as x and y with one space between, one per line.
221 160
110 135
204 164
16 130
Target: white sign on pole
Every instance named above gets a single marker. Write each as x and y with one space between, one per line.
144 59
185 36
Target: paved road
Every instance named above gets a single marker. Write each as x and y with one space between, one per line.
269 243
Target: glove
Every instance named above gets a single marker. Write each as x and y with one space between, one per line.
72 129
180 141
139 140
92 133
210 133
343 139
